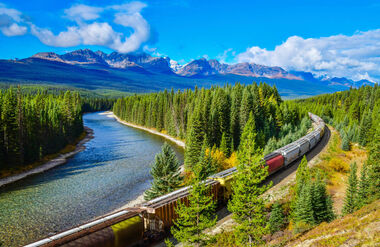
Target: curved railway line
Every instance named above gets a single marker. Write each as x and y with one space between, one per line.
149 221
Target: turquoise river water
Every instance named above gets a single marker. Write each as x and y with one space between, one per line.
112 171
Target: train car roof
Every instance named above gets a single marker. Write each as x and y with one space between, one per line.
224 173
173 196
272 155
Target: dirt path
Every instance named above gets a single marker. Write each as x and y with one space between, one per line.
61 159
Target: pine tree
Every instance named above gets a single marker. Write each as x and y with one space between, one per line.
245 107
197 215
373 162
206 164
322 204
235 111
247 139
246 204
165 172
363 187
302 175
365 126
346 143
350 203
304 214
194 139
277 218
225 145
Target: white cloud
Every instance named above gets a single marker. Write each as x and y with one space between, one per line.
13 30
91 34
13 13
356 56
96 33
130 8
86 28
83 12
141 31
9 22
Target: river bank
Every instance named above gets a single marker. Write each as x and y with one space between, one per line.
61 159
152 131
140 198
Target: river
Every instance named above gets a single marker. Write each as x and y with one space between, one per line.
112 171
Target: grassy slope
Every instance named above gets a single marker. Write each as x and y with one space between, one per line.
362 227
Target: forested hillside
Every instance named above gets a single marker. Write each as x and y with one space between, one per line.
355 113
36 121
32 126
213 117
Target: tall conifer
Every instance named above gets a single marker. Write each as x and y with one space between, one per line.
194 139
195 216
246 204
350 202
166 173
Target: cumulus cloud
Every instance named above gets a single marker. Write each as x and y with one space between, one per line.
89 34
83 12
356 56
87 27
10 20
100 33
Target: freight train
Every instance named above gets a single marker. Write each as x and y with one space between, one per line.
138 226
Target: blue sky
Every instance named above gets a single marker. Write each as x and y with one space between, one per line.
267 32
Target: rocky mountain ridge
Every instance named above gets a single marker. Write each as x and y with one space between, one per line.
195 69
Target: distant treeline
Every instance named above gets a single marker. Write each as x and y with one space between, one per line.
216 116
97 104
37 123
355 113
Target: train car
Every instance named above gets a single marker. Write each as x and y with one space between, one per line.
316 135
303 145
311 139
123 228
274 161
322 126
225 178
290 153
160 212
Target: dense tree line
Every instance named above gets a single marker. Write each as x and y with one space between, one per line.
34 125
93 104
355 113
91 101
216 116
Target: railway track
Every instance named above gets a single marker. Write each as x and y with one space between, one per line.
149 221
282 174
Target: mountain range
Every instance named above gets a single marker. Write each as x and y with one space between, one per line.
141 72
